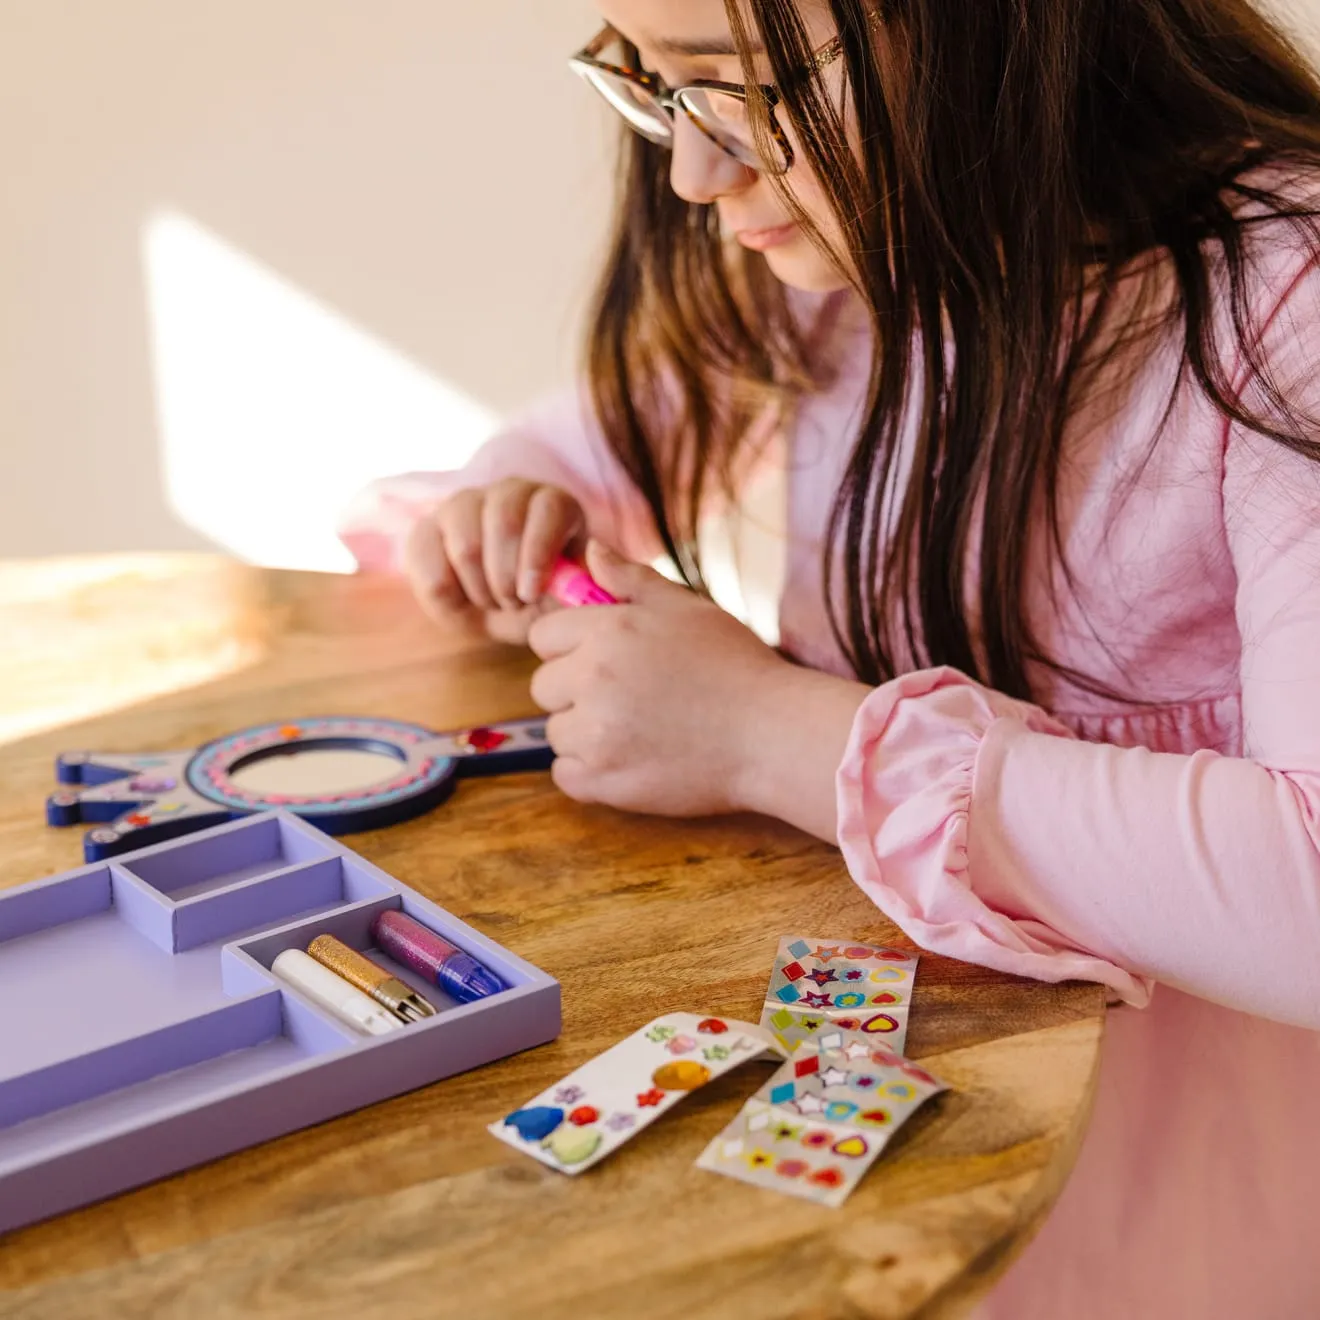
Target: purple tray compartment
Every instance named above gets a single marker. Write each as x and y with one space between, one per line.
314 887
220 859
175 1044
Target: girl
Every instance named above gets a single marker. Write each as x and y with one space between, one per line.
1014 302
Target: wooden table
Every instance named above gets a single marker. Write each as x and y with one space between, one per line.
410 1209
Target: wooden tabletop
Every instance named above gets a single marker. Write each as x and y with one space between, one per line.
410 1208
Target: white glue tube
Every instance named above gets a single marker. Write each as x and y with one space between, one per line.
334 994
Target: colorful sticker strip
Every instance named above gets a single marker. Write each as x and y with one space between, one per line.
823 1119
852 987
591 1113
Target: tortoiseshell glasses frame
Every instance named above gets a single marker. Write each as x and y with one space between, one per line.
694 99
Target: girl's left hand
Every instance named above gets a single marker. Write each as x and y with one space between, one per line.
654 702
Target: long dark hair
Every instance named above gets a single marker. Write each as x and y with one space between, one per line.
1017 156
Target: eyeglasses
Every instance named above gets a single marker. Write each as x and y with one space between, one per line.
718 109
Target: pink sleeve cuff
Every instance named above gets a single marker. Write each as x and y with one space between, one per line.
375 525
906 806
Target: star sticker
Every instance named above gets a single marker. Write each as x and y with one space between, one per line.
813 1023
661 1034
833 1077
821 976
716 1053
856 1050
809 1104
620 1122
785 1132
826 954
569 1095
817 1000
649 1098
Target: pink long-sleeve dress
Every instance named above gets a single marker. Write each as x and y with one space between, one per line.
1167 847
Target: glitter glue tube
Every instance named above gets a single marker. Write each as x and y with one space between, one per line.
334 994
570 584
458 974
402 1000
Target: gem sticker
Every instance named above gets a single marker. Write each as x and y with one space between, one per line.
684 1076
573 1145
816 983
584 1117
823 1159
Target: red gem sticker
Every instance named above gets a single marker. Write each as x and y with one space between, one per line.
791 1168
648 1099
893 955
886 997
483 740
584 1115
795 971
877 1116
857 951
804 1067
713 1027
827 1178
137 818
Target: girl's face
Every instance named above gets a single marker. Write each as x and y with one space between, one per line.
685 41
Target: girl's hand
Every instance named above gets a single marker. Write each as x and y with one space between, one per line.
481 560
656 702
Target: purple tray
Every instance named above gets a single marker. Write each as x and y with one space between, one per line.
145 1033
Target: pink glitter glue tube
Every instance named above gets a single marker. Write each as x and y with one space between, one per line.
458 974
571 584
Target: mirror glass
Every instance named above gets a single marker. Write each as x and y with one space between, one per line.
317 772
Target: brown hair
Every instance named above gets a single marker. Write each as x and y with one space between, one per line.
1001 138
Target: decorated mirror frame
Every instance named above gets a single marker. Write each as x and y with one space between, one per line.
140 799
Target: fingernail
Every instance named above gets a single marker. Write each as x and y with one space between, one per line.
529 588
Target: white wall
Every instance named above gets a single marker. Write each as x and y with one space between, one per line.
301 235
253 250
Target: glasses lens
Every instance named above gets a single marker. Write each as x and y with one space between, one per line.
642 111
727 120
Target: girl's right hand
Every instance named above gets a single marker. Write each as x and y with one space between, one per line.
484 556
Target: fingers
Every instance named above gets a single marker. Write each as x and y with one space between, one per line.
429 572
558 632
461 528
553 522
551 688
498 543
503 530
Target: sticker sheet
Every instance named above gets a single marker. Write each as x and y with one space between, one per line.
853 987
591 1113
823 1119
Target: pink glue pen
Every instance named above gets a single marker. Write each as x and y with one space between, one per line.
570 584
457 973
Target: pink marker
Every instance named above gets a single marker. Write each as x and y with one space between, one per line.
570 584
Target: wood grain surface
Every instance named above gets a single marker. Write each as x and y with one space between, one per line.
410 1208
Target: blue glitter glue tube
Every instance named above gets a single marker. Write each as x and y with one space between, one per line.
457 973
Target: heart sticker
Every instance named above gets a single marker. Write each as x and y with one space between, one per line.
535 1124
853 1147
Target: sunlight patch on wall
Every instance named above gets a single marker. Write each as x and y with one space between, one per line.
274 409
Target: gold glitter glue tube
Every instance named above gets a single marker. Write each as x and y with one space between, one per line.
342 1001
403 1001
